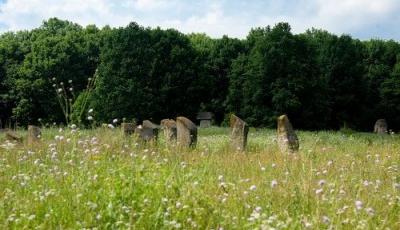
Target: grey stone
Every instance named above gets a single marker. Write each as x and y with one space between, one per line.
287 138
380 126
34 134
239 131
169 129
128 128
148 131
205 119
205 123
186 132
12 136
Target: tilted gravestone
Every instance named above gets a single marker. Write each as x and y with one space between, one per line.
147 131
128 128
169 128
186 132
239 131
380 126
12 136
287 138
34 134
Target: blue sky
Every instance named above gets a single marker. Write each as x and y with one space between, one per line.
362 19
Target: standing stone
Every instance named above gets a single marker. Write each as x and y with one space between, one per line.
287 138
12 136
205 119
147 131
239 131
380 126
169 128
128 128
34 134
186 132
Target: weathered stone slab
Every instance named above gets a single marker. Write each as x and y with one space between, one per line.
186 132
12 136
287 138
205 119
381 126
128 128
239 131
205 123
34 134
148 131
169 128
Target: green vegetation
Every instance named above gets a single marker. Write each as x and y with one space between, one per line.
321 80
77 179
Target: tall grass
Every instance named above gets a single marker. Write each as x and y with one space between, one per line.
100 179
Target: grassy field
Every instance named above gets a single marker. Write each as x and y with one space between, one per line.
99 179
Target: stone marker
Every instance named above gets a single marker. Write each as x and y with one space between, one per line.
147 131
169 128
287 138
380 126
34 134
12 136
128 128
205 119
239 131
186 132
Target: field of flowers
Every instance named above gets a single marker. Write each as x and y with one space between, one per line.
99 179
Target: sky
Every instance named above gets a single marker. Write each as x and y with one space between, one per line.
363 19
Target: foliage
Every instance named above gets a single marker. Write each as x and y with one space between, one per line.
321 80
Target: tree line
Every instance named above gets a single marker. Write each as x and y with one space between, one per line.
63 72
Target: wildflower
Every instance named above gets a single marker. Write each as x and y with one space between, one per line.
322 183
370 211
274 183
110 126
220 178
358 204
71 89
53 79
70 81
90 111
90 118
73 126
59 90
326 220
319 191
253 188
115 120
396 186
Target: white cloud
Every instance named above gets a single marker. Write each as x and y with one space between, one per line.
151 4
214 17
26 14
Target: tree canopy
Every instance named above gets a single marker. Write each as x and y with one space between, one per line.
321 80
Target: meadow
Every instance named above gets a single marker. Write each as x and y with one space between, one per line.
99 179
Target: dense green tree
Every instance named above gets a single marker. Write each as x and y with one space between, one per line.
321 80
280 77
216 56
60 52
146 74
